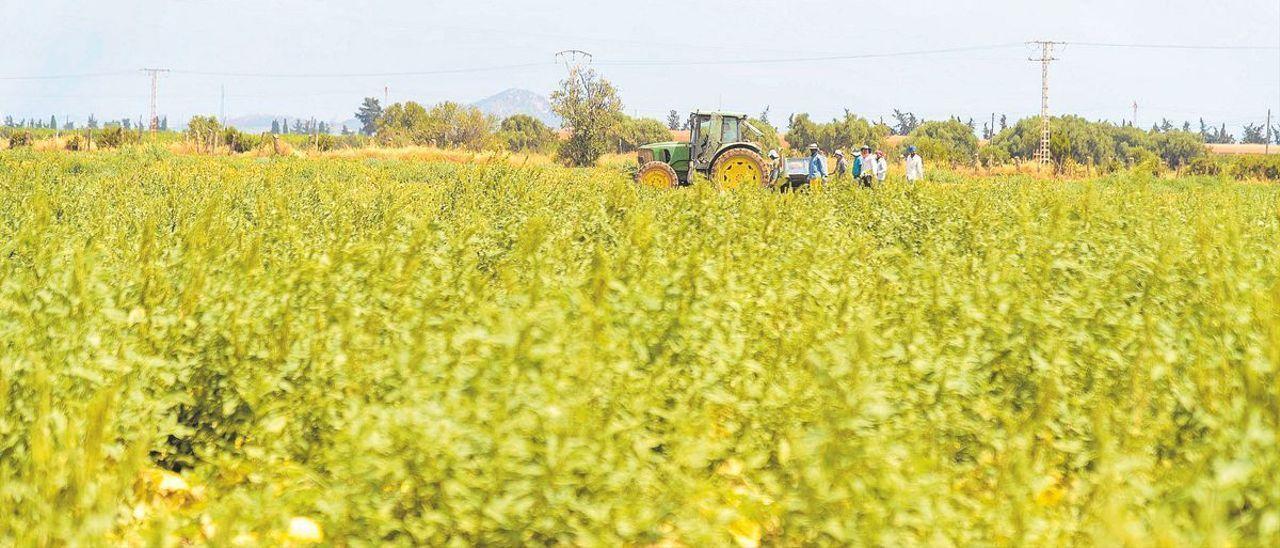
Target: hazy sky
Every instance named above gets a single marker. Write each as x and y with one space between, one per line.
62 37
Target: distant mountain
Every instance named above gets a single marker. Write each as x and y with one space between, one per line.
519 101
253 123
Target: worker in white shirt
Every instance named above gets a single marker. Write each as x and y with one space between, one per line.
882 166
915 166
867 173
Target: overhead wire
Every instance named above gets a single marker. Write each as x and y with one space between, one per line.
68 76
465 70
678 62
644 62
1174 46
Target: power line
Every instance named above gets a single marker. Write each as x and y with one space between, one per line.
466 70
849 57
1172 46
651 62
68 76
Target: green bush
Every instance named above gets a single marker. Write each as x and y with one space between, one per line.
630 133
1204 166
993 156
116 137
1241 167
1251 166
1099 143
239 141
447 124
524 133
325 142
1176 148
205 132
849 132
946 142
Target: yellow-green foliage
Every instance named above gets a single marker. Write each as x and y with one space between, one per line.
382 352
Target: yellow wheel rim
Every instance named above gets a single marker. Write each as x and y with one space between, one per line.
738 172
655 178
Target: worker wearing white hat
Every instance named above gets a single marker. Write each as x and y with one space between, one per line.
842 166
817 164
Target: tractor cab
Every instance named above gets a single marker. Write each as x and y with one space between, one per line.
717 147
708 132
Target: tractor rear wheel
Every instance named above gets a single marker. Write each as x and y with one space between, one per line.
738 168
657 174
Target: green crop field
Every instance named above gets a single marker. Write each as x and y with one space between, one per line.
366 352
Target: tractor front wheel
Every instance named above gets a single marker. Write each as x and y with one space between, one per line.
738 168
657 174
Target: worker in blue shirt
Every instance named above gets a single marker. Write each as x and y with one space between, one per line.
817 164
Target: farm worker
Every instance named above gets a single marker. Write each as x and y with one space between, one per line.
857 166
867 174
817 164
842 166
775 166
882 166
915 166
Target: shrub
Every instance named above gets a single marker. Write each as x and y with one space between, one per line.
325 142
1254 166
630 133
447 124
1177 148
849 132
74 143
19 139
239 141
204 132
1100 143
951 141
116 137
1241 167
993 156
524 133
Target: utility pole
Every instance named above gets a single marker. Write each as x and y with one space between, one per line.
155 88
1267 149
1135 114
573 60
222 104
1046 57
386 95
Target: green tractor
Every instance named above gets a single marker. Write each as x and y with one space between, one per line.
717 148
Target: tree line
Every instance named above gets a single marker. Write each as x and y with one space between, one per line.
305 127
589 105
595 123
70 125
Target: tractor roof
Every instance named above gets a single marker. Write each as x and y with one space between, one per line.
722 113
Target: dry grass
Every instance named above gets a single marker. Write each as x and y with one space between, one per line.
435 154
1243 149
52 143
